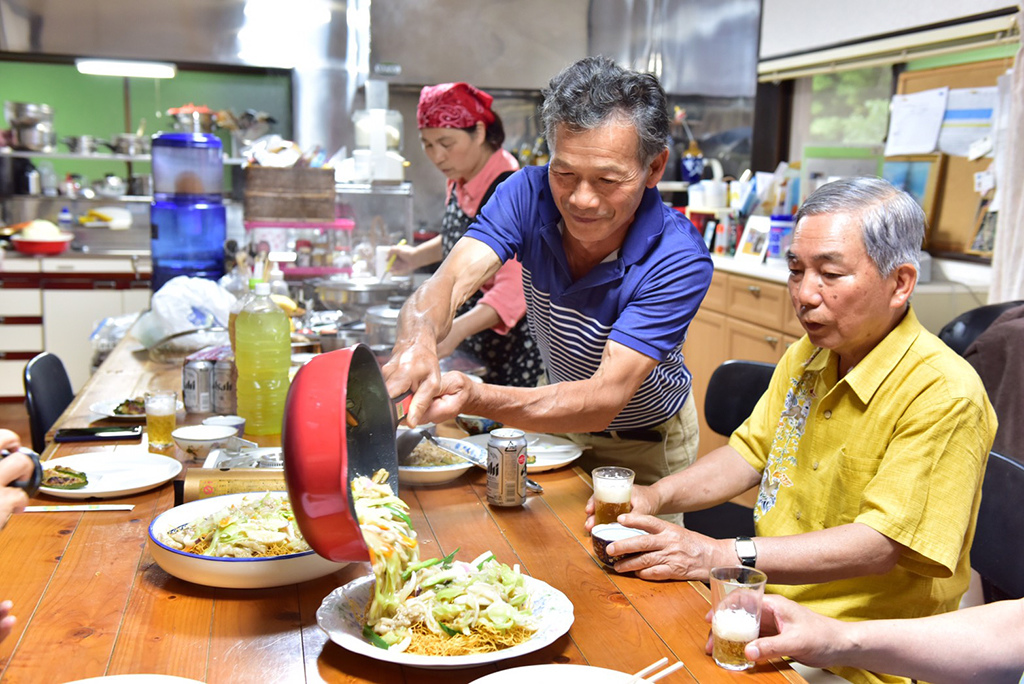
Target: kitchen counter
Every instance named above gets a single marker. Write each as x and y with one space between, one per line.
91 600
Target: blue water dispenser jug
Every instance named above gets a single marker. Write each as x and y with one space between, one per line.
187 216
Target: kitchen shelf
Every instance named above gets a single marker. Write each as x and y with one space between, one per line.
96 156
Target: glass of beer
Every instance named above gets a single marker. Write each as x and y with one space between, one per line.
613 487
161 417
736 595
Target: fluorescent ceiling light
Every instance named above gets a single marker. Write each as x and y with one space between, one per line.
118 67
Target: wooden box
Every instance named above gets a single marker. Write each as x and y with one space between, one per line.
292 193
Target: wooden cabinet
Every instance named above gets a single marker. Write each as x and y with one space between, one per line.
742 317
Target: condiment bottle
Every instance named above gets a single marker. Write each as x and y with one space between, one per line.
263 358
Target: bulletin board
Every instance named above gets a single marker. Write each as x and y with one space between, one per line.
957 202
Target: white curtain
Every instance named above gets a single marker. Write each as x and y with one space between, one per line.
1008 251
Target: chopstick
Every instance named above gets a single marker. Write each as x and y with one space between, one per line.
79 507
639 676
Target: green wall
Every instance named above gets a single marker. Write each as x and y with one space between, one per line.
95 105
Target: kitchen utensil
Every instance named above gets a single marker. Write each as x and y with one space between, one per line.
33 137
49 247
355 296
27 113
110 186
382 322
339 423
406 441
128 143
80 144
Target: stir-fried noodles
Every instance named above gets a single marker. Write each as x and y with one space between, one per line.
261 526
438 606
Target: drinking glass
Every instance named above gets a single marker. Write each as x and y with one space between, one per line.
736 596
161 417
613 487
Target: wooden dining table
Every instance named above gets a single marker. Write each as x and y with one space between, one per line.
91 600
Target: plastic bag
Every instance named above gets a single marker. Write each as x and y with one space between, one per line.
183 304
107 334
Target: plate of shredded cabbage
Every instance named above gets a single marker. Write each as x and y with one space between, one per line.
341 616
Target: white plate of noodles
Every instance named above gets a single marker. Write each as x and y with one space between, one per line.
341 616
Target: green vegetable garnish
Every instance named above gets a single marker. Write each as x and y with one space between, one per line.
373 638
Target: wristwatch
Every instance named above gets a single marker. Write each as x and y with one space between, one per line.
746 550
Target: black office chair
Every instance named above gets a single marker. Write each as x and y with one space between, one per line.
965 328
47 393
997 553
732 393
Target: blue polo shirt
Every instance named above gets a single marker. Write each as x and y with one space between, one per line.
643 296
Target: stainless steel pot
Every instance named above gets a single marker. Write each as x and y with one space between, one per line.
80 144
355 296
128 143
35 137
382 322
194 122
27 113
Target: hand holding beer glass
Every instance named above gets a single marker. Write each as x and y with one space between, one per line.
737 593
613 488
161 417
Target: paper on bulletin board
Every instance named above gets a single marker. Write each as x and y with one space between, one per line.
968 118
915 120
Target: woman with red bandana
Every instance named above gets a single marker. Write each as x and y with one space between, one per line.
462 136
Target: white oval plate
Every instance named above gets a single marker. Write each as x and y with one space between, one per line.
341 616
556 674
551 452
114 473
432 475
106 408
230 573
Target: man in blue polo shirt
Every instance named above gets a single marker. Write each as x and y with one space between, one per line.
612 280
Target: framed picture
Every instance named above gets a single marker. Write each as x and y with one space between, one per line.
754 241
920 175
820 165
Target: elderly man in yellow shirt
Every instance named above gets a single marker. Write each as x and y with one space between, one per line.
869 445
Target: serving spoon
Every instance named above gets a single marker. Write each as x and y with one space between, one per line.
407 440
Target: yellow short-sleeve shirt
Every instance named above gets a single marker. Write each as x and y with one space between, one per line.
899 444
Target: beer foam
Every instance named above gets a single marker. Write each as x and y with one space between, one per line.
613 491
735 625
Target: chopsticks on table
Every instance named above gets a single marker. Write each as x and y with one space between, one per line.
79 507
640 676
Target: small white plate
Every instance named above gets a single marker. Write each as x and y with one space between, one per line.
550 452
433 475
106 408
341 616
114 473
556 674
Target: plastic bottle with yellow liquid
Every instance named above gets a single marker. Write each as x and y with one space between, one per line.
263 358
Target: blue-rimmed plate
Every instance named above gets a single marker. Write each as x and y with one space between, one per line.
341 616
231 573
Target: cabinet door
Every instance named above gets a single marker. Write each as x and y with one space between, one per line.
751 342
69 317
757 301
704 351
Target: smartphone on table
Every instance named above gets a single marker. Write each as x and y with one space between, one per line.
98 434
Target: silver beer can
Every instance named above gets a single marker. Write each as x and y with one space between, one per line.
224 400
197 386
506 467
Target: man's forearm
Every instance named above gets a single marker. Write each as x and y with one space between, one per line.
561 407
842 552
984 643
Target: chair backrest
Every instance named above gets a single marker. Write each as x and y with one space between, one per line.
47 393
732 393
998 549
965 328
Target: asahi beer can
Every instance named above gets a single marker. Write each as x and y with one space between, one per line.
506 467
224 387
197 386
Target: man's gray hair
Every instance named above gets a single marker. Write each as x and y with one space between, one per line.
595 90
891 220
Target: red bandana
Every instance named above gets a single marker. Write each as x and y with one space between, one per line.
453 105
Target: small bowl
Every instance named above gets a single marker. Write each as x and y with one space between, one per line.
198 440
603 535
476 425
231 573
237 422
50 247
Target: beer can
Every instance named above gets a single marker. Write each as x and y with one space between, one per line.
224 400
506 467
197 386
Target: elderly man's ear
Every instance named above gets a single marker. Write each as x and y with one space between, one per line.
905 278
